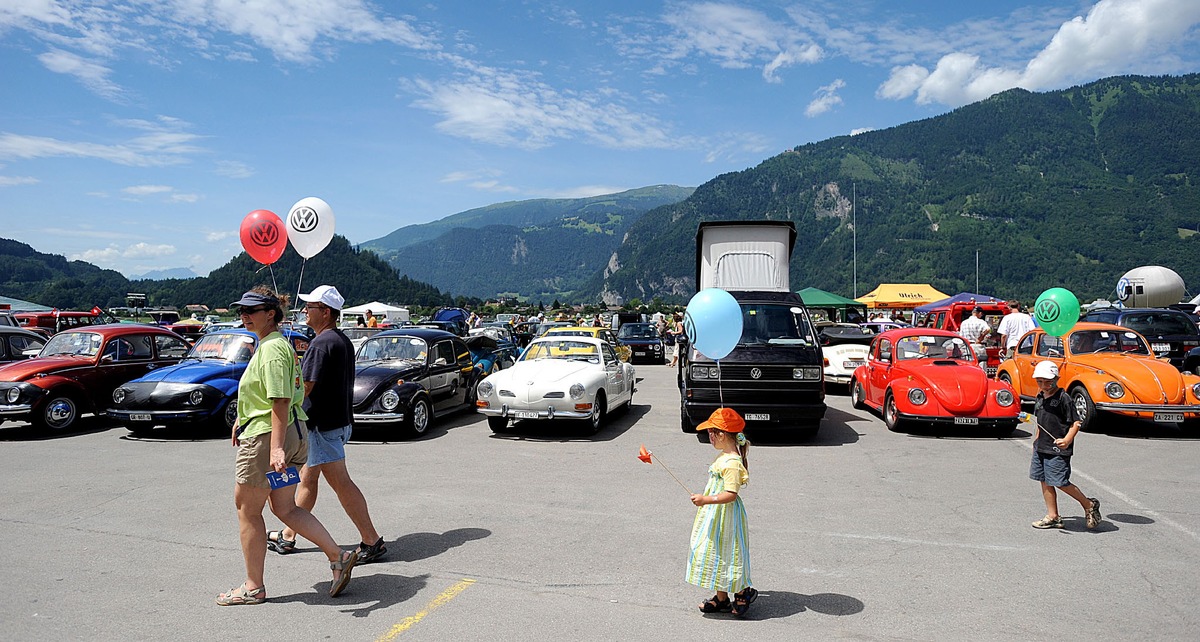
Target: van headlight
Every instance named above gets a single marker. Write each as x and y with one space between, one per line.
485 388
1114 390
808 373
704 372
389 400
1004 397
916 396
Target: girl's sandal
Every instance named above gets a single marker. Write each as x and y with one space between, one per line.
344 564
240 596
714 605
741 601
282 546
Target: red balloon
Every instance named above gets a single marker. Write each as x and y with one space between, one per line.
264 236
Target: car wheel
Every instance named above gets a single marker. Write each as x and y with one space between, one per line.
60 412
1084 407
1004 378
599 410
498 424
685 424
228 417
858 396
419 418
891 414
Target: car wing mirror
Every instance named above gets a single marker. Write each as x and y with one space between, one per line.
886 355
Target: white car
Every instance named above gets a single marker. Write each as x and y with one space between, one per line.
841 361
558 378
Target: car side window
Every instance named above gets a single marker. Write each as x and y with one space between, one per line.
1050 346
17 345
170 347
462 352
885 350
610 357
444 354
1026 345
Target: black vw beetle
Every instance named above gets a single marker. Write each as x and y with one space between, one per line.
407 377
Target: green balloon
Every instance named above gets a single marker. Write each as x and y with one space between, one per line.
1057 311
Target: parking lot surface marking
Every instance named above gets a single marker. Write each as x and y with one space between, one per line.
442 598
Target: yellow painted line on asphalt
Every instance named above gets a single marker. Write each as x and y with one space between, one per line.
408 622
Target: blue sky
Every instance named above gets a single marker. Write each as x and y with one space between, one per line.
137 134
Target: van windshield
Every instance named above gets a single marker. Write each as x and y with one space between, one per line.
767 324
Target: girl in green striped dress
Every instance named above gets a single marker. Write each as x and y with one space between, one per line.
720 551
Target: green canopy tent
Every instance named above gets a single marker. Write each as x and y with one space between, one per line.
827 305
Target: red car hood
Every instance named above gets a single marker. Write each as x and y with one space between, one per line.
1148 379
23 370
959 387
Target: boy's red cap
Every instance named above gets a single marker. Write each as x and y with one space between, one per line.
723 419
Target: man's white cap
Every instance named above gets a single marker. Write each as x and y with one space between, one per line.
1045 370
326 294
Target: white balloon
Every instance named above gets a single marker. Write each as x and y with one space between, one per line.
310 226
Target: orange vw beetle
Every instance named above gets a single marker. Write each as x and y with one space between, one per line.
1105 368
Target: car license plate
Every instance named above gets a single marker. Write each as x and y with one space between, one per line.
139 416
967 421
758 416
1169 417
526 414
855 364
1160 347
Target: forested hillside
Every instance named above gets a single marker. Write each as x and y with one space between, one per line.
538 249
1069 188
51 280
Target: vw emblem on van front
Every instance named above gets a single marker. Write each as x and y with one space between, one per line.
755 373
304 219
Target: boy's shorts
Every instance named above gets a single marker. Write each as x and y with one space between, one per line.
1055 470
254 456
327 446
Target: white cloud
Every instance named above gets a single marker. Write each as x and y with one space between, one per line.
147 250
145 190
90 73
234 169
861 130
509 108
114 253
826 99
213 237
185 198
492 186
584 191
164 143
733 36
13 181
1115 37
732 146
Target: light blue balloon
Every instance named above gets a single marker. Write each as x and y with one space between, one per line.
713 322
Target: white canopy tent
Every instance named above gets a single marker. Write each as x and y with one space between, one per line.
383 311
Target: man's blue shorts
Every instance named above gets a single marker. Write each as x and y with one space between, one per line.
325 446
1055 470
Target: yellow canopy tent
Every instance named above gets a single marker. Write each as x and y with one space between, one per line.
901 296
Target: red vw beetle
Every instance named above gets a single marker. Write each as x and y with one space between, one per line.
931 376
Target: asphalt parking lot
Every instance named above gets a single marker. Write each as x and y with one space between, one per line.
545 534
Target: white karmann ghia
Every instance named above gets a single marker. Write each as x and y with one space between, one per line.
558 378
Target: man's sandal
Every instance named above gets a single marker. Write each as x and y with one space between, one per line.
741 601
240 596
714 605
345 564
282 546
368 554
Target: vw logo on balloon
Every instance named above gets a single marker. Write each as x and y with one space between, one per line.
303 219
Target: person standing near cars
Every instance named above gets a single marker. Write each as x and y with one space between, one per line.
270 436
328 370
1012 327
1053 445
973 329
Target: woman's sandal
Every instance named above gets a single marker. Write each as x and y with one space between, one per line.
240 596
282 546
714 605
741 601
345 565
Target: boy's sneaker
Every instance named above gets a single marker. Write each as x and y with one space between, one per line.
1093 514
1046 522
367 554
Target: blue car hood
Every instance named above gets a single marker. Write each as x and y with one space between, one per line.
193 371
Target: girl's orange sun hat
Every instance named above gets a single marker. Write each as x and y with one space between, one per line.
723 419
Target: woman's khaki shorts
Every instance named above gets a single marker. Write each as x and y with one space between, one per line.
254 456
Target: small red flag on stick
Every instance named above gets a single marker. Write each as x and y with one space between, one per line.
648 457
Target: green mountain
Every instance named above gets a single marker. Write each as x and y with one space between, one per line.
360 276
539 249
1067 188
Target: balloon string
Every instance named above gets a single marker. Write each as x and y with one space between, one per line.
274 285
298 290
720 389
